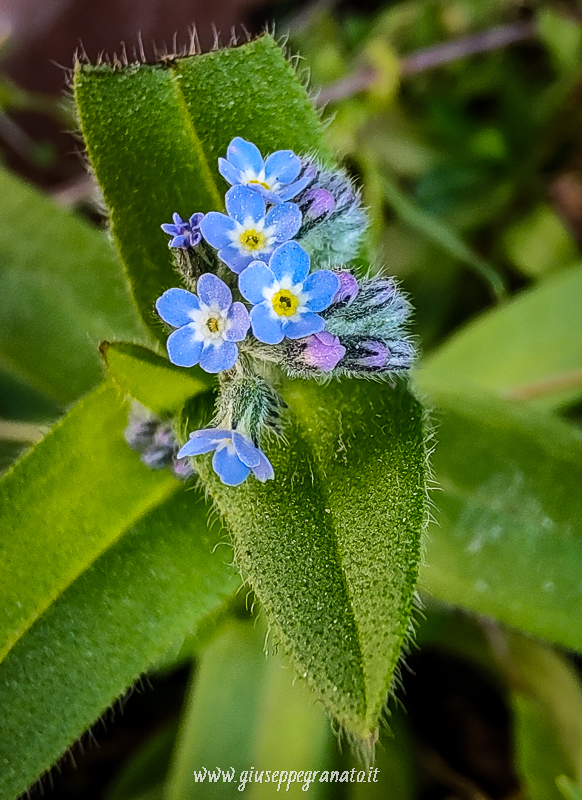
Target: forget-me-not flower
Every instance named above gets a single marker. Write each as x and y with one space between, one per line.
248 233
185 234
275 178
234 458
208 325
286 296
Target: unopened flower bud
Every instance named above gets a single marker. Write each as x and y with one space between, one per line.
140 433
157 457
318 203
348 289
322 351
182 468
370 355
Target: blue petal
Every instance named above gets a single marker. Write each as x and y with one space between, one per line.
308 324
171 230
245 450
175 307
229 467
213 292
291 191
218 358
239 320
177 219
290 259
256 277
236 260
229 172
265 328
283 166
183 348
285 219
216 227
196 219
179 241
244 155
263 471
322 286
242 203
203 442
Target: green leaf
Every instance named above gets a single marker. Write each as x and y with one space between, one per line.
245 711
507 541
530 348
147 592
152 380
568 788
167 124
547 708
331 547
63 291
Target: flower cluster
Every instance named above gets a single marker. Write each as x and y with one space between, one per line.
281 248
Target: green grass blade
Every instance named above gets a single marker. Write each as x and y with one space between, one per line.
63 290
527 349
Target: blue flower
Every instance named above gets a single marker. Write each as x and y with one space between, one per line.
275 179
234 458
248 234
208 325
186 234
286 296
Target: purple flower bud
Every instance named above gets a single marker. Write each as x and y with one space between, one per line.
164 437
348 289
323 351
140 432
157 457
182 468
365 354
319 202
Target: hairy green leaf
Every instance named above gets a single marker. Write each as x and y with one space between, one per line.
508 538
144 594
332 545
166 126
152 380
63 291
530 348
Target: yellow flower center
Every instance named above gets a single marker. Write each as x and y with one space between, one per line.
285 303
260 183
253 240
212 324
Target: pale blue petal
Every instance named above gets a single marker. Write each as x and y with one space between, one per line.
321 286
175 307
171 230
242 202
283 166
233 257
251 282
308 324
229 467
184 348
218 358
177 219
285 219
267 194
229 172
196 219
245 450
290 259
265 328
240 322
263 471
216 227
244 155
291 191
213 292
203 442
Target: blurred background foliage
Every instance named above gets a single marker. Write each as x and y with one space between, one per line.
462 120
